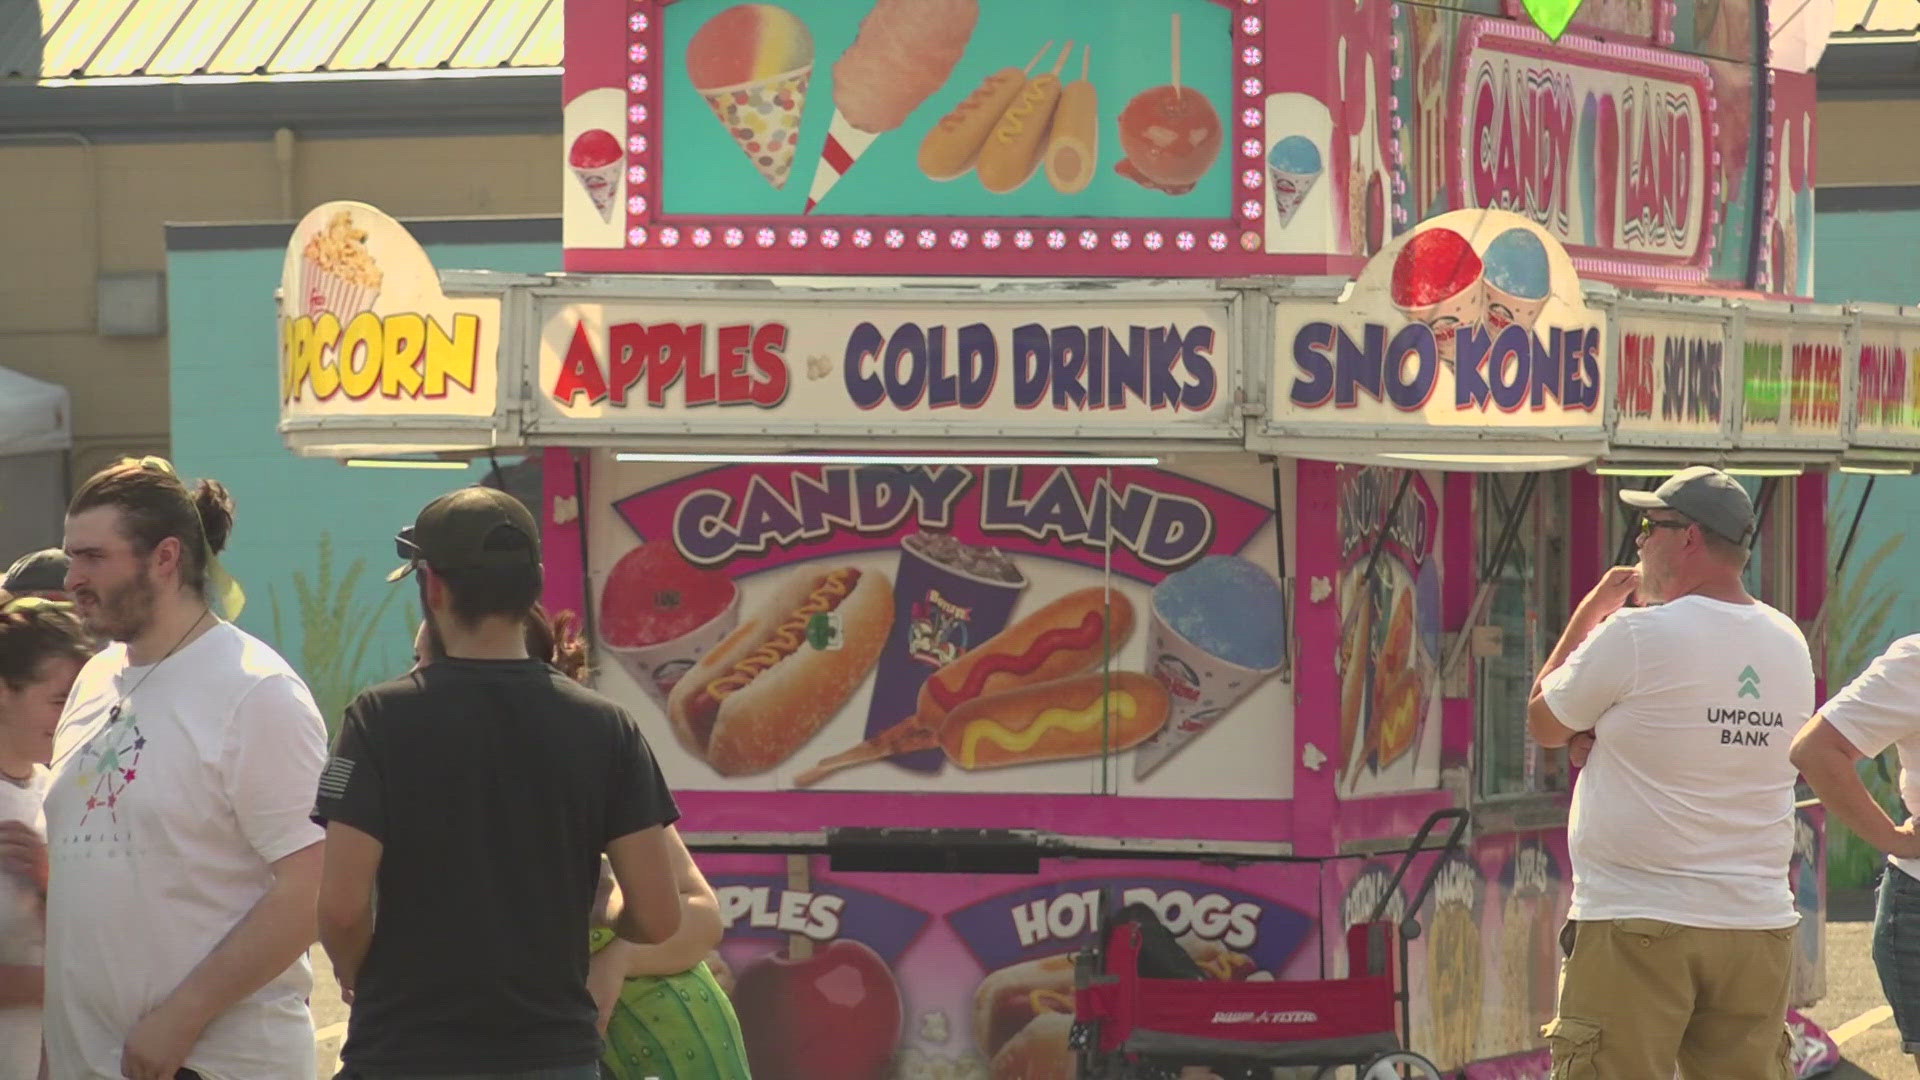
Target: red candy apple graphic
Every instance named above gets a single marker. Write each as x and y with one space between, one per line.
833 1015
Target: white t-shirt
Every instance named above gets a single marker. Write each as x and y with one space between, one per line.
162 828
22 932
1881 708
1684 812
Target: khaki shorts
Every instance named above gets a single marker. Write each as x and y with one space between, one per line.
1638 996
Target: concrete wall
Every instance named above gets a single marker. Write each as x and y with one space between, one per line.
53 195
1868 142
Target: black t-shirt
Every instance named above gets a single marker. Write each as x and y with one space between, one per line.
493 787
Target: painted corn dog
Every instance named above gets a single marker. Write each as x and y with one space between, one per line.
1011 154
1068 635
953 144
1073 146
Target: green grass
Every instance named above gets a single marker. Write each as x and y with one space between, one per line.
1858 610
336 631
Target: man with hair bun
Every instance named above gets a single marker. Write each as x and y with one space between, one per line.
184 869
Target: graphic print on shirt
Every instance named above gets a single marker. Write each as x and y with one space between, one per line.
1737 724
109 763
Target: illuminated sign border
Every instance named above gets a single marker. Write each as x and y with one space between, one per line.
1232 242
1511 39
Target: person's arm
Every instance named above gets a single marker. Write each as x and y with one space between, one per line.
698 934
22 985
639 811
1873 712
1589 669
351 804
346 901
649 902
270 939
274 746
1826 758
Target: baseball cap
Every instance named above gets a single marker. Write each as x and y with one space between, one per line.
39 571
1710 497
473 528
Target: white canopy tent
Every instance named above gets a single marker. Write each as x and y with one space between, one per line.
36 431
34 416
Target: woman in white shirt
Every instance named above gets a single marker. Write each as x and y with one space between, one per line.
41 651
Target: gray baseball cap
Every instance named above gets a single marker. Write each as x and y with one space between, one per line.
1710 497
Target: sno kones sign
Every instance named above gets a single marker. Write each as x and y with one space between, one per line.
1472 320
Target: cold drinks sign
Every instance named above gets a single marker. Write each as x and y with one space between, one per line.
1146 363
1474 320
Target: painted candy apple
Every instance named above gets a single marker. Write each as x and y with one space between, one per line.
1171 136
834 1015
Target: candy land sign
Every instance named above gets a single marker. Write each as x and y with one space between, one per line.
1472 324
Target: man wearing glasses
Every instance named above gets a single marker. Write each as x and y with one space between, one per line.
1679 942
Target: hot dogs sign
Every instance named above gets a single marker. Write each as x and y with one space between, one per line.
1474 319
978 628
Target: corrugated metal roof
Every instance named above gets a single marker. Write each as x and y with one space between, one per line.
1861 18
168 39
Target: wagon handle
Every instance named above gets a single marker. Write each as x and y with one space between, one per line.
1410 928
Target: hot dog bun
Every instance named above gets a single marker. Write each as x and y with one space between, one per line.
952 144
782 704
1008 1000
1038 1052
1072 632
1069 718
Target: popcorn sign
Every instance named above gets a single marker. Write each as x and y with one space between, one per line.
366 330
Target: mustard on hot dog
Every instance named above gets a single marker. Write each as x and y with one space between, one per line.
1100 712
1011 153
952 145
1066 636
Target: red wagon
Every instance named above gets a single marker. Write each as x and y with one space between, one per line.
1143 1010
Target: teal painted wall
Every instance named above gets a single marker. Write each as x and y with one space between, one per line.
1868 256
313 539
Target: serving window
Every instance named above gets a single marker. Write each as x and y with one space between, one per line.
1520 541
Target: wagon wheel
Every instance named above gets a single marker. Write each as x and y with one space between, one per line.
1396 1065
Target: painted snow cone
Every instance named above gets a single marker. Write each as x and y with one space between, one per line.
596 160
905 50
752 64
1517 279
1293 165
659 614
1216 633
1437 280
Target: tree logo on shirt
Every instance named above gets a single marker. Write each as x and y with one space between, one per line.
109 763
1750 683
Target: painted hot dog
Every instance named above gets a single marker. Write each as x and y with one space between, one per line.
765 689
1009 999
953 144
1073 145
1102 711
1011 153
1068 635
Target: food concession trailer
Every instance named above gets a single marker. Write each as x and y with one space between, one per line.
1185 530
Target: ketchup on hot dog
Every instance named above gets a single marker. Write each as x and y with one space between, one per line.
786 639
1079 637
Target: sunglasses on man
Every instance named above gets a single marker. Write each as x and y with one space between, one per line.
1648 524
